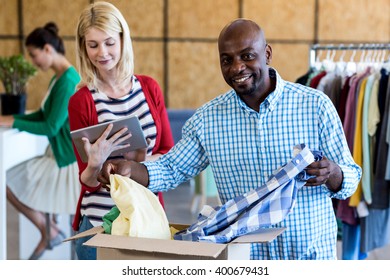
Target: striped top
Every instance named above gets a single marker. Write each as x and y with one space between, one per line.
96 204
244 147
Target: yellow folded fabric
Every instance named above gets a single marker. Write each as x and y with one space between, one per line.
141 213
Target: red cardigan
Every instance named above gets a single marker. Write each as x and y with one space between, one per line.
82 113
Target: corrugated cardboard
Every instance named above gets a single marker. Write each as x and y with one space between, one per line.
111 247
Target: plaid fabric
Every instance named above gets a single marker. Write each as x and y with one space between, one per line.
259 208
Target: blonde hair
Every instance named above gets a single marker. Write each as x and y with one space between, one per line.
107 18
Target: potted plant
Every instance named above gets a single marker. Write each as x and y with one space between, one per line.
15 71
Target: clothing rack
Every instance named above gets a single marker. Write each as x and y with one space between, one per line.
318 47
359 238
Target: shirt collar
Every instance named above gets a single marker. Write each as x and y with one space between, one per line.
273 98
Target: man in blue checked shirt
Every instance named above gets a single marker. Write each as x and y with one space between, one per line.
248 133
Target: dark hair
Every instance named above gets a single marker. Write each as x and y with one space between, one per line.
48 34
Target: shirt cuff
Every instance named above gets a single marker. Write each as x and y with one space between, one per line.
153 172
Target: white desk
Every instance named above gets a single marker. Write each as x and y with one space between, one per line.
15 147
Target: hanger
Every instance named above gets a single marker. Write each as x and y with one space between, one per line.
317 64
351 66
377 62
341 65
328 63
361 65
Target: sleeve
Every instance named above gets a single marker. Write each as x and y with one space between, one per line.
334 146
54 115
80 115
184 161
166 141
34 116
155 99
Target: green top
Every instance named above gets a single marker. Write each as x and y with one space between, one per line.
52 119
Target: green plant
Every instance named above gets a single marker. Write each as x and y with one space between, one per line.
15 71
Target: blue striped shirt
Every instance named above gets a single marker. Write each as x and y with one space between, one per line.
243 148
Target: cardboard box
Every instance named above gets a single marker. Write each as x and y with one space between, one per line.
114 247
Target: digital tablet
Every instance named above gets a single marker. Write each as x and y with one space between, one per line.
136 141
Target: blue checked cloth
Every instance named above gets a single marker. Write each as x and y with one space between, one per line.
259 208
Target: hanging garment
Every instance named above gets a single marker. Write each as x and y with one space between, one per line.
381 187
141 213
305 77
357 152
350 110
375 229
375 232
370 119
382 97
351 243
330 84
387 173
259 208
343 99
316 79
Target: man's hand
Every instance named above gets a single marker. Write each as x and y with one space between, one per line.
121 167
326 172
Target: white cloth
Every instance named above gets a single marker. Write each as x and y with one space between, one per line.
40 184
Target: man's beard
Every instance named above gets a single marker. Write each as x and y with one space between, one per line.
247 92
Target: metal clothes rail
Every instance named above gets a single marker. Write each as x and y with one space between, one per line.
337 47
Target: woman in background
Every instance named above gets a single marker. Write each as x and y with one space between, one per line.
109 90
47 184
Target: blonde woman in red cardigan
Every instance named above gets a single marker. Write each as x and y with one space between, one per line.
109 89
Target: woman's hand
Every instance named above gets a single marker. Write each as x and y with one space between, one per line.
99 151
6 121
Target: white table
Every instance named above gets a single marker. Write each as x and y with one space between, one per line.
15 147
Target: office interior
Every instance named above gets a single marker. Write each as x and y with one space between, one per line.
175 42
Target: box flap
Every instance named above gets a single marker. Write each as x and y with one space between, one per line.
179 226
156 245
89 232
259 236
